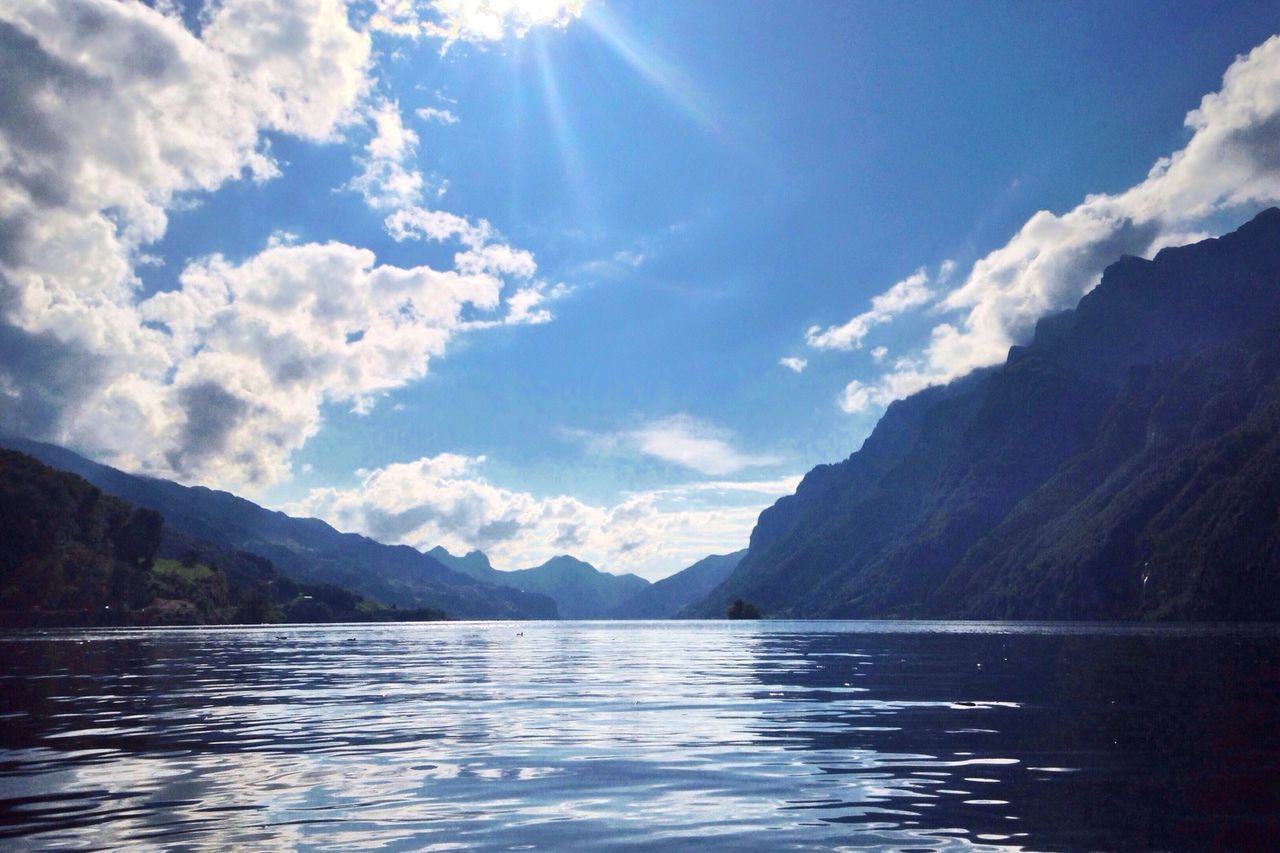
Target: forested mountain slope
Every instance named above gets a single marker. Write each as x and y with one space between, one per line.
304 548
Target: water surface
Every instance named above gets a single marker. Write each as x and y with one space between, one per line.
898 736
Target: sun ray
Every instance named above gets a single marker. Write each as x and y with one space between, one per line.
655 69
566 138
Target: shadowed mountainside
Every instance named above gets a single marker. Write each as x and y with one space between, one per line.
666 598
71 555
304 548
1124 464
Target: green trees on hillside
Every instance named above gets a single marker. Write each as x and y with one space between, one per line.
66 546
73 555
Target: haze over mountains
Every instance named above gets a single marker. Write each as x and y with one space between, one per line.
580 590
671 595
1124 464
311 551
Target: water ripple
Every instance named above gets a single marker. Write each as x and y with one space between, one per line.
934 736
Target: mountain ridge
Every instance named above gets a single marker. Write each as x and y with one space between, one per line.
305 548
1112 416
667 598
580 590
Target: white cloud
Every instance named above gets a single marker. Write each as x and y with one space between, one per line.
878 354
913 291
302 58
416 223
436 114
443 500
472 20
906 378
629 258
794 364
694 444
680 439
119 108
388 181
118 113
1229 167
388 178
284 332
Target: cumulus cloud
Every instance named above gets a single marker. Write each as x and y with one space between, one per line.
1229 168
388 178
113 114
295 327
444 500
112 110
796 365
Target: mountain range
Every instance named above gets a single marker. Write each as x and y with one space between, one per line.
579 589
228 530
1125 464
305 549
73 556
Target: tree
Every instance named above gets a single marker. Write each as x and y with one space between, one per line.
256 607
742 610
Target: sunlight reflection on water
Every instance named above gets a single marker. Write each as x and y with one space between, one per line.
593 735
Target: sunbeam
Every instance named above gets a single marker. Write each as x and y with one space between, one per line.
566 139
654 68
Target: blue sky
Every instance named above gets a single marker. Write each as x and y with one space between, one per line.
595 277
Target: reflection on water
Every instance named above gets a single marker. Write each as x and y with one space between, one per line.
930 736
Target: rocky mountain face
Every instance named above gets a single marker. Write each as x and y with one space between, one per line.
1125 464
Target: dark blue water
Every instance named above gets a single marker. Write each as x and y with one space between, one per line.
622 735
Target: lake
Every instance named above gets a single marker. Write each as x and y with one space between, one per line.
598 735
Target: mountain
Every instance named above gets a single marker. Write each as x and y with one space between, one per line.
580 590
1125 464
304 548
68 549
73 556
474 564
666 598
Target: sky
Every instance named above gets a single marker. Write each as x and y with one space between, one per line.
593 277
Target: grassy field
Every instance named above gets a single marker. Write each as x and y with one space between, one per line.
188 573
